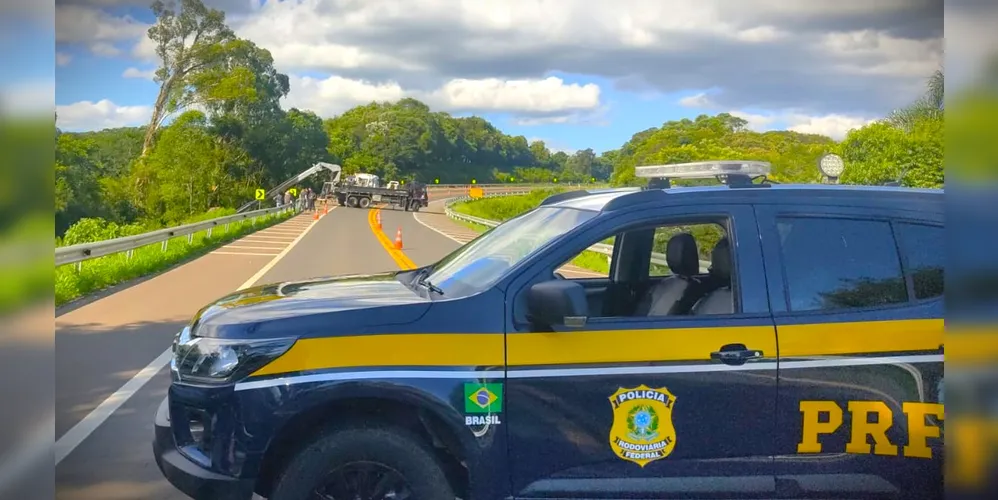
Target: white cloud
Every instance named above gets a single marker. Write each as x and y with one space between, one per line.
697 101
62 58
868 52
832 125
755 121
87 115
835 125
550 96
828 60
76 24
105 49
553 146
334 95
145 50
809 55
139 73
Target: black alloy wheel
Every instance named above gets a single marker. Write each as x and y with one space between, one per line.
363 481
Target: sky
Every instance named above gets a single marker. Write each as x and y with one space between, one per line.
574 73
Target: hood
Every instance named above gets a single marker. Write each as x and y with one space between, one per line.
327 306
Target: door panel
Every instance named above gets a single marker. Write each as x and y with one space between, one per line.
859 404
642 407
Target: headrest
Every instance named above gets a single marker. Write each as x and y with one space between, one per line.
681 255
720 259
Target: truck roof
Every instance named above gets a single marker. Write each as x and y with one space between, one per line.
804 194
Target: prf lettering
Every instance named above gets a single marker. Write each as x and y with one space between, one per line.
825 417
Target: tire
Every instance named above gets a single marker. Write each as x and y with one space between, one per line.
390 447
352 201
364 202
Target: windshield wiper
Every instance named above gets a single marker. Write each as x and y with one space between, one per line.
421 280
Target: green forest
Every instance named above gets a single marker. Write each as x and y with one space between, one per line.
227 135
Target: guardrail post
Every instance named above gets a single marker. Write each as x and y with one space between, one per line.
190 239
164 245
79 266
128 254
209 231
225 229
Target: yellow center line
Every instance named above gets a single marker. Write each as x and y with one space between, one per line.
400 258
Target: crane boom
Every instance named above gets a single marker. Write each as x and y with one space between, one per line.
334 170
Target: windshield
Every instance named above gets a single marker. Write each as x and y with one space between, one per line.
479 264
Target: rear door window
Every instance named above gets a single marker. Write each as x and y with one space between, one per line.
923 250
840 263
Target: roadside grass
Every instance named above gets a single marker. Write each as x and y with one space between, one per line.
503 208
73 281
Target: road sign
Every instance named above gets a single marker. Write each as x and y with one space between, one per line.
261 194
473 181
512 179
436 181
294 191
555 179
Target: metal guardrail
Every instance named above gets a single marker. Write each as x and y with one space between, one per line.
602 248
86 251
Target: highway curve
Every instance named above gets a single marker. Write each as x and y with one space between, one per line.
102 345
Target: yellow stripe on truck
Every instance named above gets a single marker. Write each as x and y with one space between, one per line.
404 349
603 346
623 346
862 337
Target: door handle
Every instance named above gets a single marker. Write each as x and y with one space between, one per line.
735 354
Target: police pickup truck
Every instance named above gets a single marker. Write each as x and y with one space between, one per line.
806 362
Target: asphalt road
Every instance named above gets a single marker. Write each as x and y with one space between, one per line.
105 343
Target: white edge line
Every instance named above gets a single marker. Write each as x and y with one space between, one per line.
251 254
415 215
582 372
75 436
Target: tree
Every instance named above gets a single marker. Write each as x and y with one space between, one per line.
793 155
907 146
192 170
408 141
203 64
929 106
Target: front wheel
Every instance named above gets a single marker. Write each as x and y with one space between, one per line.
352 201
364 463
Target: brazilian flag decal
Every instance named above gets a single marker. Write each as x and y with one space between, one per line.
482 398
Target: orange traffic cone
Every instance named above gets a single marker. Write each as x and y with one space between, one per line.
315 215
325 208
398 239
377 218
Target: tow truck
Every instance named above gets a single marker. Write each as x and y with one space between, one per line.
362 190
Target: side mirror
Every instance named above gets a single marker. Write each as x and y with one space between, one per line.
557 303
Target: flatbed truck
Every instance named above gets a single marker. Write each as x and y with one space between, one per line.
364 190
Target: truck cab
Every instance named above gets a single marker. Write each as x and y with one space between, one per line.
805 361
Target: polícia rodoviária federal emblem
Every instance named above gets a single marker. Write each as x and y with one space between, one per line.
642 429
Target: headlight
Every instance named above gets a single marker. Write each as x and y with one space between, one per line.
219 361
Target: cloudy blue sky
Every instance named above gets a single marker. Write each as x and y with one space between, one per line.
574 73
